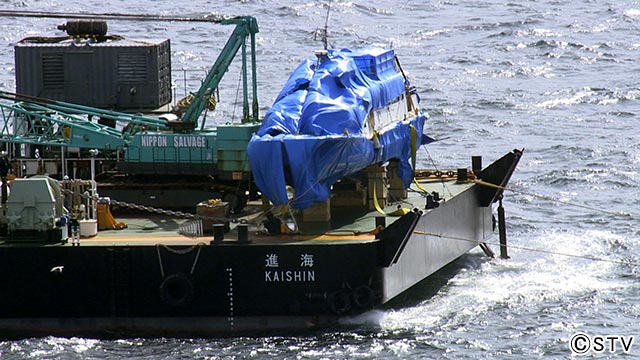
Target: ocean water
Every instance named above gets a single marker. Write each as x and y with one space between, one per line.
558 78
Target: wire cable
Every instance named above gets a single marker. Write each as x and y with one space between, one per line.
548 198
587 257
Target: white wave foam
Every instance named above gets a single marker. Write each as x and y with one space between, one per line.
528 280
578 98
632 13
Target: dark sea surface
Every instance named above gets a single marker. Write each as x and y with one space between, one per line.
559 78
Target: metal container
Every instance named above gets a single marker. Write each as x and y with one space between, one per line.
100 71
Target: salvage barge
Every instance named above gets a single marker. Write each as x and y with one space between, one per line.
147 280
345 223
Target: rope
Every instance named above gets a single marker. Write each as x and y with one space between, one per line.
548 198
195 260
400 211
235 102
179 252
587 257
293 219
418 185
414 149
375 201
433 162
160 260
274 210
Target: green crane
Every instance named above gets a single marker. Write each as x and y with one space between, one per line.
245 26
150 145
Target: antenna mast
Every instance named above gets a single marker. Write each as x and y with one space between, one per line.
325 35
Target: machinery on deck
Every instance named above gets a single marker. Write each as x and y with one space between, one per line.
154 154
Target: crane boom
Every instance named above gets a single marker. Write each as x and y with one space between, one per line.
245 26
49 122
143 145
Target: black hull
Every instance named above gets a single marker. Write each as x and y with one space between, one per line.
177 327
208 288
182 291
161 282
222 289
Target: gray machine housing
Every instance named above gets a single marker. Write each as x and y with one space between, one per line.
107 72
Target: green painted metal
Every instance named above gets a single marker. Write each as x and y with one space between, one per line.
237 131
26 123
150 147
232 146
146 139
57 123
254 77
245 26
26 101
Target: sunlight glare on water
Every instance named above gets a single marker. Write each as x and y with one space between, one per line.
557 78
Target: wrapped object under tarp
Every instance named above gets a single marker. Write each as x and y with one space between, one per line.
314 133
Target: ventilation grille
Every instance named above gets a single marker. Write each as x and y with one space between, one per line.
53 71
132 67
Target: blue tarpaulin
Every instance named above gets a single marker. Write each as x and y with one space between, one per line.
313 134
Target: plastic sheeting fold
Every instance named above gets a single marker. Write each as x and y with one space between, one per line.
313 134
